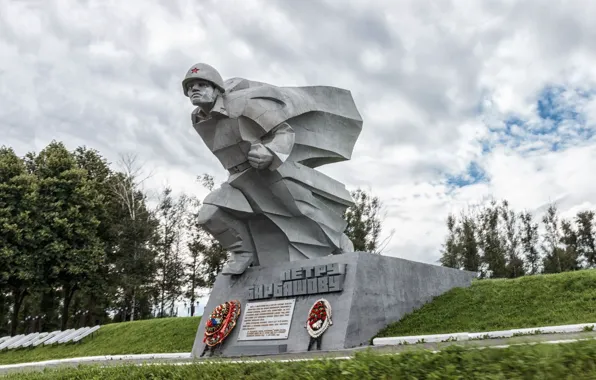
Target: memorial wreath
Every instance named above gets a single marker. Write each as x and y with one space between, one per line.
319 320
221 322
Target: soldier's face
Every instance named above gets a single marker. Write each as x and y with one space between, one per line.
201 92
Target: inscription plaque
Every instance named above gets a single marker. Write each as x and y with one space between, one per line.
308 280
267 320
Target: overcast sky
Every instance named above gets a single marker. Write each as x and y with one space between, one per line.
461 100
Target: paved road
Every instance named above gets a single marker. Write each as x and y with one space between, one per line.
183 358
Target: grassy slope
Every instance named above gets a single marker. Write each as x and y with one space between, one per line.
139 337
530 301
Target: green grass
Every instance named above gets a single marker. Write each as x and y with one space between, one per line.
566 361
139 337
530 301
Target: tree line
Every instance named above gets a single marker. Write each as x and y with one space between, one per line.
499 242
83 243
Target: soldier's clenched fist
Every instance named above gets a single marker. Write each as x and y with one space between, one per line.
259 157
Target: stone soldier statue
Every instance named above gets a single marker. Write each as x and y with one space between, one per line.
275 206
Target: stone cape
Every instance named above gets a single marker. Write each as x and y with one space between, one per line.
325 119
377 290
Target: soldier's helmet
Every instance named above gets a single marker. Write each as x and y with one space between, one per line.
205 72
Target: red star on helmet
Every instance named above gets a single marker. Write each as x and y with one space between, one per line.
194 70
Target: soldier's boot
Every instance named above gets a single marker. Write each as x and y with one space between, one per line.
240 261
233 235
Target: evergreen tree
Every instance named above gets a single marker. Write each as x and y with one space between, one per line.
553 253
529 241
469 245
586 236
512 242
451 253
490 241
571 259
364 222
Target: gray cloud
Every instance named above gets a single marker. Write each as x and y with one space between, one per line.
108 76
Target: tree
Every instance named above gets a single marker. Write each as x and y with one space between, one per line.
18 230
364 223
487 240
213 262
69 203
469 246
196 248
509 244
512 242
214 257
569 238
207 181
529 240
490 241
461 248
133 255
451 253
586 236
97 286
170 213
553 252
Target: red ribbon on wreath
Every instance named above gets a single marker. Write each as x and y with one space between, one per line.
221 322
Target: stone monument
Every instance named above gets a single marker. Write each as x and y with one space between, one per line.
282 222
274 207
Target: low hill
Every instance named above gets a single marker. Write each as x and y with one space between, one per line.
501 304
139 337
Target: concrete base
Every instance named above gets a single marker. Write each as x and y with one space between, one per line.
377 290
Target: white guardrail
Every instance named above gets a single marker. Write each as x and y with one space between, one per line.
394 341
75 335
55 337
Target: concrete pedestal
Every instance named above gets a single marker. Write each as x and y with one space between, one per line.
376 290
